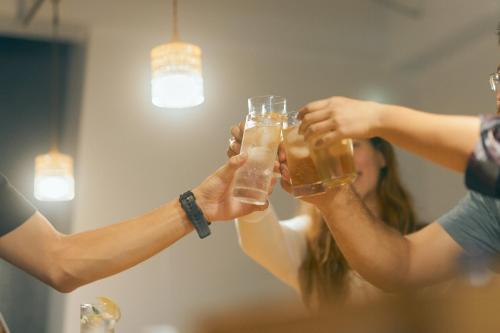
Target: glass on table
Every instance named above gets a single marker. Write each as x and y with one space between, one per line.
100 317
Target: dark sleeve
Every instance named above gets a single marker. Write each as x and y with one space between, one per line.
483 167
474 225
14 208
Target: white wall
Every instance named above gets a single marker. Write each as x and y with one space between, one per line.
134 157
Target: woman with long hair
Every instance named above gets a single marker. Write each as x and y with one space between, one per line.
302 252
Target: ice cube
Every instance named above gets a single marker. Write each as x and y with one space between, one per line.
268 136
299 152
260 155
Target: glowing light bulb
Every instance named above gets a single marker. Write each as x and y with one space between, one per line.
176 80
54 179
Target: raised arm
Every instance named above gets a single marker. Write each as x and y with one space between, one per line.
279 247
379 253
444 139
68 261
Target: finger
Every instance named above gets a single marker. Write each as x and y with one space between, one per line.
264 206
273 182
237 161
232 165
314 117
235 147
281 153
285 174
313 106
318 129
276 167
286 186
237 133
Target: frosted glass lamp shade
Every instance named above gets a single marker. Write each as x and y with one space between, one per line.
176 80
54 179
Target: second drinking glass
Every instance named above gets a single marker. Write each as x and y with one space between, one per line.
314 169
304 176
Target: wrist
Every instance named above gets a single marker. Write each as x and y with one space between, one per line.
201 201
382 114
194 213
335 199
188 227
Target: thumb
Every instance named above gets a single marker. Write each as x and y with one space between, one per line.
233 164
265 206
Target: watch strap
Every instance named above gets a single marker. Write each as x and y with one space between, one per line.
195 214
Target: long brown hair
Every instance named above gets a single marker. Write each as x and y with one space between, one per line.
322 275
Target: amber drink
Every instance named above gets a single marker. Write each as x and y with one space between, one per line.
335 163
304 176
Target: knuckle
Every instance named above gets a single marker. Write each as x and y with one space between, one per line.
233 162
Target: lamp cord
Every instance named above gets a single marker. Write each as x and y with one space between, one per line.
55 108
175 29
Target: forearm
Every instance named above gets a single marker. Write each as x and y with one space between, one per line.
262 238
68 261
379 253
444 139
258 232
85 257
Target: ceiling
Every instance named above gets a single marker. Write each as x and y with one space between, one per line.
399 35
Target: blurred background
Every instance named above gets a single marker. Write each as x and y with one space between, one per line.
131 156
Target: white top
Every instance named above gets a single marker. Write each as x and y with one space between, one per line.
280 247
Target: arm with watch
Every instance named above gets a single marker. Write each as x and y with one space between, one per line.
67 262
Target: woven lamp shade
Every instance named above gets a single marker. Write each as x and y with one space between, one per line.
54 180
177 80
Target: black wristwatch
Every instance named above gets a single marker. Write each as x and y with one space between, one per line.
194 214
